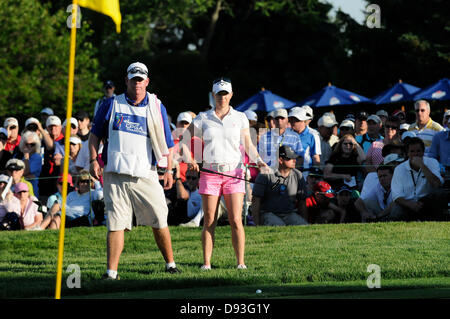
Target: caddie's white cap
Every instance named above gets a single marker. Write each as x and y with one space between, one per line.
184 117
222 84
252 116
137 69
31 120
299 113
72 121
52 120
10 121
327 121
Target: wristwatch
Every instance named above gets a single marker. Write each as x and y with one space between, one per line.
92 160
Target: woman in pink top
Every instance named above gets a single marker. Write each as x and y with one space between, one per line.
30 217
374 156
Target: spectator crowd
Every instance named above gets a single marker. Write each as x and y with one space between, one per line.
362 168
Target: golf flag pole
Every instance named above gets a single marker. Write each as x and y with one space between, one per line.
73 34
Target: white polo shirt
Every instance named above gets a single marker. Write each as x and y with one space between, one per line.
222 138
412 185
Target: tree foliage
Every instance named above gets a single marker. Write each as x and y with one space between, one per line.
34 55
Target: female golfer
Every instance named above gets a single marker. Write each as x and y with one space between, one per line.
223 131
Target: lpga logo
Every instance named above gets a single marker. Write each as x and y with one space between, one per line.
374 279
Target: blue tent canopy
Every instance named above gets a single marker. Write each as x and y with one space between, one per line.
399 92
332 95
265 101
437 91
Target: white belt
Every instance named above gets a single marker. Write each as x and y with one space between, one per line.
222 167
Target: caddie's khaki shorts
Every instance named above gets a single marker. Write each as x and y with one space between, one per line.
125 194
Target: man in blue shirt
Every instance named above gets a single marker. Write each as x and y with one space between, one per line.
373 133
270 142
136 135
298 118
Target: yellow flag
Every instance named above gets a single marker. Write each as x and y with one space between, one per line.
107 7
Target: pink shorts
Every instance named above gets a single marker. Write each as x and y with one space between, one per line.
215 184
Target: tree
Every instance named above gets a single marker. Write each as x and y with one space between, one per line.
34 59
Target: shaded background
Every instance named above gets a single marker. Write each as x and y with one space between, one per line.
291 47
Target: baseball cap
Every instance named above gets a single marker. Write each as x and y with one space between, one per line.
15 164
393 157
408 134
299 113
52 120
31 120
327 121
270 114
75 140
404 126
10 121
20 187
137 69
323 188
398 112
252 116
47 111
350 117
362 115
347 123
280 113
222 84
382 113
4 178
374 118
286 151
309 111
109 84
184 117
72 121
344 188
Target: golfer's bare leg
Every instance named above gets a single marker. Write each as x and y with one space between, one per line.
210 204
164 242
115 242
234 203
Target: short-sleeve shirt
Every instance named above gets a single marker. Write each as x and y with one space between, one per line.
222 138
271 141
100 125
282 198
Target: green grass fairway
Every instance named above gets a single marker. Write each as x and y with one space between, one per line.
317 261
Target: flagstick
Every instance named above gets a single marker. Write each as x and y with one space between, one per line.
73 33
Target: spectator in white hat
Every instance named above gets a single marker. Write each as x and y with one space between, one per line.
298 118
5 156
52 135
346 127
373 133
30 146
12 126
270 142
326 126
252 117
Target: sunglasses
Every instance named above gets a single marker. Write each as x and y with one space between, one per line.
21 192
420 110
222 79
138 70
287 158
84 182
391 127
30 144
13 127
346 144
